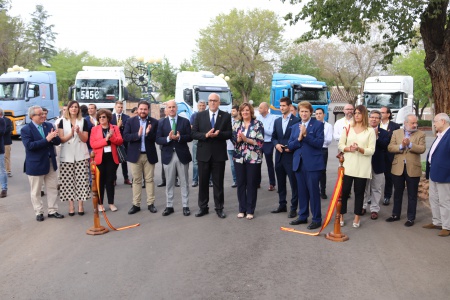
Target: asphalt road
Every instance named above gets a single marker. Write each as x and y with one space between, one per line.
178 257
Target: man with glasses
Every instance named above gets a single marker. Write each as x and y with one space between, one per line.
39 138
211 128
390 127
344 122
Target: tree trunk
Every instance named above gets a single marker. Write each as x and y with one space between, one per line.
436 40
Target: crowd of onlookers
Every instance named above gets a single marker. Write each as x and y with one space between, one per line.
379 158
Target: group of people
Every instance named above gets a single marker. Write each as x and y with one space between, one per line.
376 152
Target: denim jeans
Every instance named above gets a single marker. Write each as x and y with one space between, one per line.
3 177
230 156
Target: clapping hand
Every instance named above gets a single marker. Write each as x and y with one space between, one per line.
51 135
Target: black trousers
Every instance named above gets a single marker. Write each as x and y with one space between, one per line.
268 155
248 177
412 186
323 177
358 188
107 170
387 177
216 170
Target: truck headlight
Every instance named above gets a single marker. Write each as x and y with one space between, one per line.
20 122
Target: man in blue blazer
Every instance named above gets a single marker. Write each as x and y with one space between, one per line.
283 158
372 194
438 171
174 134
39 139
140 133
120 119
306 141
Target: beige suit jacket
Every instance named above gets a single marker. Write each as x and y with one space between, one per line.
411 156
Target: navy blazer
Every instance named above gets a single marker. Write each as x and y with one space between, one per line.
279 138
130 134
309 150
439 170
125 118
8 129
180 147
378 162
38 150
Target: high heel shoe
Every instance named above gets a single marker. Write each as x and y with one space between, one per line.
80 209
356 225
241 215
72 214
342 221
71 208
250 217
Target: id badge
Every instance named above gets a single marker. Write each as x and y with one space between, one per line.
107 149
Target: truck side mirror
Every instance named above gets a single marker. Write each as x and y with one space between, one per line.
70 92
188 97
31 92
125 93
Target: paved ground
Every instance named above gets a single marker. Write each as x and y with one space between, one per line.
179 257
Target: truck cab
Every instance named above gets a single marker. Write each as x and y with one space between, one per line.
20 89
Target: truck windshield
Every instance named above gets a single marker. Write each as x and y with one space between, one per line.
394 100
313 96
12 91
97 90
225 96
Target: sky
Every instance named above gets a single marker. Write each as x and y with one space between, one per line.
153 28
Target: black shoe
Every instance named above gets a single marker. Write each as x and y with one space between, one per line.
81 213
177 184
210 184
314 225
279 209
152 208
234 185
186 211
292 214
168 211
298 222
369 201
323 196
195 184
72 214
42 193
386 201
134 209
392 219
56 215
202 212
409 223
161 184
40 217
221 214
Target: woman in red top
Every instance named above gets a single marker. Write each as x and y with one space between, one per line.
105 138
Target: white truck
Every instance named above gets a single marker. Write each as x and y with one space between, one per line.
194 86
395 92
101 86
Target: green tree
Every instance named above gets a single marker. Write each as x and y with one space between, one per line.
42 35
411 64
165 76
299 64
397 20
242 45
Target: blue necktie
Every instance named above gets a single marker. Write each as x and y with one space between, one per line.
41 130
212 121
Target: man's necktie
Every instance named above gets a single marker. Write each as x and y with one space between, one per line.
174 126
212 121
41 130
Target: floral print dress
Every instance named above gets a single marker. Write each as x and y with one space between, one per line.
244 152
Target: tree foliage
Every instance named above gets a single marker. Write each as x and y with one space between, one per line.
41 35
165 75
396 20
242 45
412 64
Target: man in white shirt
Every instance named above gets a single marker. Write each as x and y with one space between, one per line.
268 120
344 122
328 137
230 146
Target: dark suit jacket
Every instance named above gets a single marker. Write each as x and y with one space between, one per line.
309 150
214 149
279 138
130 134
8 128
181 147
125 118
378 162
439 170
37 149
2 133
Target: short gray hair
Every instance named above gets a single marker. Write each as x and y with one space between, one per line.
32 109
443 116
201 101
409 115
375 111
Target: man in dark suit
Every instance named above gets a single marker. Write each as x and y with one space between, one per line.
390 127
140 133
7 141
211 128
306 141
120 119
283 158
3 176
174 134
39 139
372 194
438 171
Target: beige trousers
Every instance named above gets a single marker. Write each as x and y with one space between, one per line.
51 182
142 166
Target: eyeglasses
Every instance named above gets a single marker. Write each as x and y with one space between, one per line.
213 100
41 114
102 117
